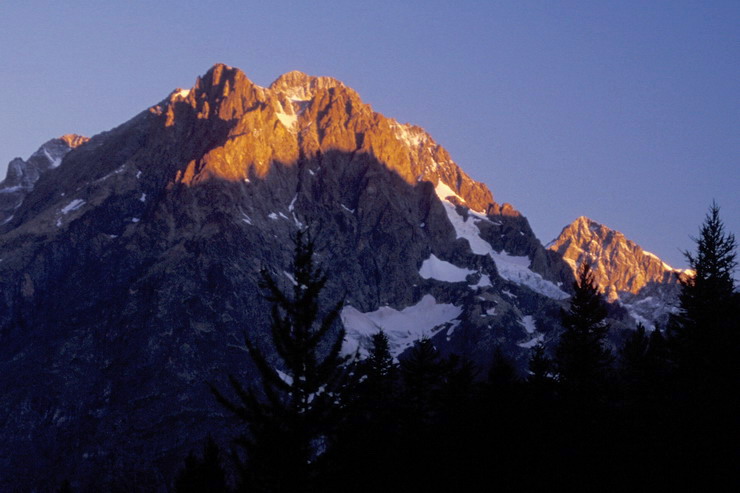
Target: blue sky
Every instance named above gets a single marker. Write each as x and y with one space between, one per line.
627 112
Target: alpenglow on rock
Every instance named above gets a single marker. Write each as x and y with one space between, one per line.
624 272
128 273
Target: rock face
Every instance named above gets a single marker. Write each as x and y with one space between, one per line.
128 273
625 273
23 175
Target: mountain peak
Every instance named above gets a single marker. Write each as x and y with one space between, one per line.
300 86
73 140
619 264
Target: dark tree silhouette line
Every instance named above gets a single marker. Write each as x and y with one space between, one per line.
660 413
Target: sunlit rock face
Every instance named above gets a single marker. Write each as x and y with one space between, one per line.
641 281
128 272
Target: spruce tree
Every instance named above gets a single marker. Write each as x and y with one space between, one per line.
421 372
582 359
291 416
704 343
380 370
704 336
369 429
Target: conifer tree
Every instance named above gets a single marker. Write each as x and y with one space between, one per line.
380 369
643 364
458 385
704 343
421 372
291 416
704 335
634 351
582 359
367 433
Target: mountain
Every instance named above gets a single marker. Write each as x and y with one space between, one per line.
129 269
23 175
628 275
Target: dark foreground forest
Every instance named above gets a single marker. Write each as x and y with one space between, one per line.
661 413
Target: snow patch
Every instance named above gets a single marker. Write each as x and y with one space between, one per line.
288 121
453 325
72 206
135 220
11 189
290 278
246 218
511 268
117 171
532 342
443 191
55 162
403 327
143 197
516 269
284 377
181 93
403 132
273 216
441 270
508 293
467 230
528 323
484 282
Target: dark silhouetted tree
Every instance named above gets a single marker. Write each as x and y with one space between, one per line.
291 416
421 371
704 335
581 358
380 370
704 344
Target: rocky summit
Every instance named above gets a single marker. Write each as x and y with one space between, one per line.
129 265
624 272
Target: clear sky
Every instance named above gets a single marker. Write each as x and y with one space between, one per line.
627 112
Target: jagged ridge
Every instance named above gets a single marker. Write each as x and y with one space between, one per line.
129 273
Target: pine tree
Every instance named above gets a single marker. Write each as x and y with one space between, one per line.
421 372
380 370
634 351
704 343
582 359
366 436
704 335
290 418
